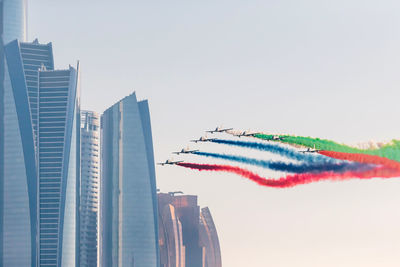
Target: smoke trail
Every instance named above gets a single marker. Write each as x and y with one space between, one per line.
276 149
290 167
362 158
390 150
296 179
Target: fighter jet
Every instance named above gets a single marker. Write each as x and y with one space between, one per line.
219 130
311 150
202 139
185 151
246 134
276 138
169 162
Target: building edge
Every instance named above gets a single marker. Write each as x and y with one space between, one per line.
148 135
19 89
111 119
1 130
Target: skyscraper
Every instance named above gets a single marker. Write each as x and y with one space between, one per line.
128 216
46 181
90 174
188 214
209 239
188 237
172 250
59 161
16 236
13 19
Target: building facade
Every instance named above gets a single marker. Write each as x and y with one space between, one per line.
209 239
128 216
17 238
188 236
172 250
47 117
90 185
59 172
14 20
188 213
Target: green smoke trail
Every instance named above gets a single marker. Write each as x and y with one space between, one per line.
390 150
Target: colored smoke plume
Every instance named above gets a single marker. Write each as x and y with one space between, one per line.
390 150
276 149
297 179
339 166
363 158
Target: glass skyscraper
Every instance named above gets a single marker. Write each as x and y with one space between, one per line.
209 239
90 185
172 250
14 19
128 216
188 237
41 188
17 211
59 161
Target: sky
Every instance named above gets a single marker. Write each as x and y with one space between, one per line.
317 68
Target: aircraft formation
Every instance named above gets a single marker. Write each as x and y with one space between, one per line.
318 160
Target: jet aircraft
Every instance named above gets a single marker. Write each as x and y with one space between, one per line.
169 162
203 139
311 150
276 138
219 130
246 134
185 151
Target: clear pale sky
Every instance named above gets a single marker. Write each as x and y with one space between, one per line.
310 67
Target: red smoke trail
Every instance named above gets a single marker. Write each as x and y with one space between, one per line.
296 179
363 158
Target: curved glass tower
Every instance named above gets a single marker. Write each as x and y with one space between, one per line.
41 182
172 250
209 239
128 216
17 212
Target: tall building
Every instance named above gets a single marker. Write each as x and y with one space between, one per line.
188 214
59 161
172 250
209 239
187 237
128 216
90 174
16 236
13 19
43 178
